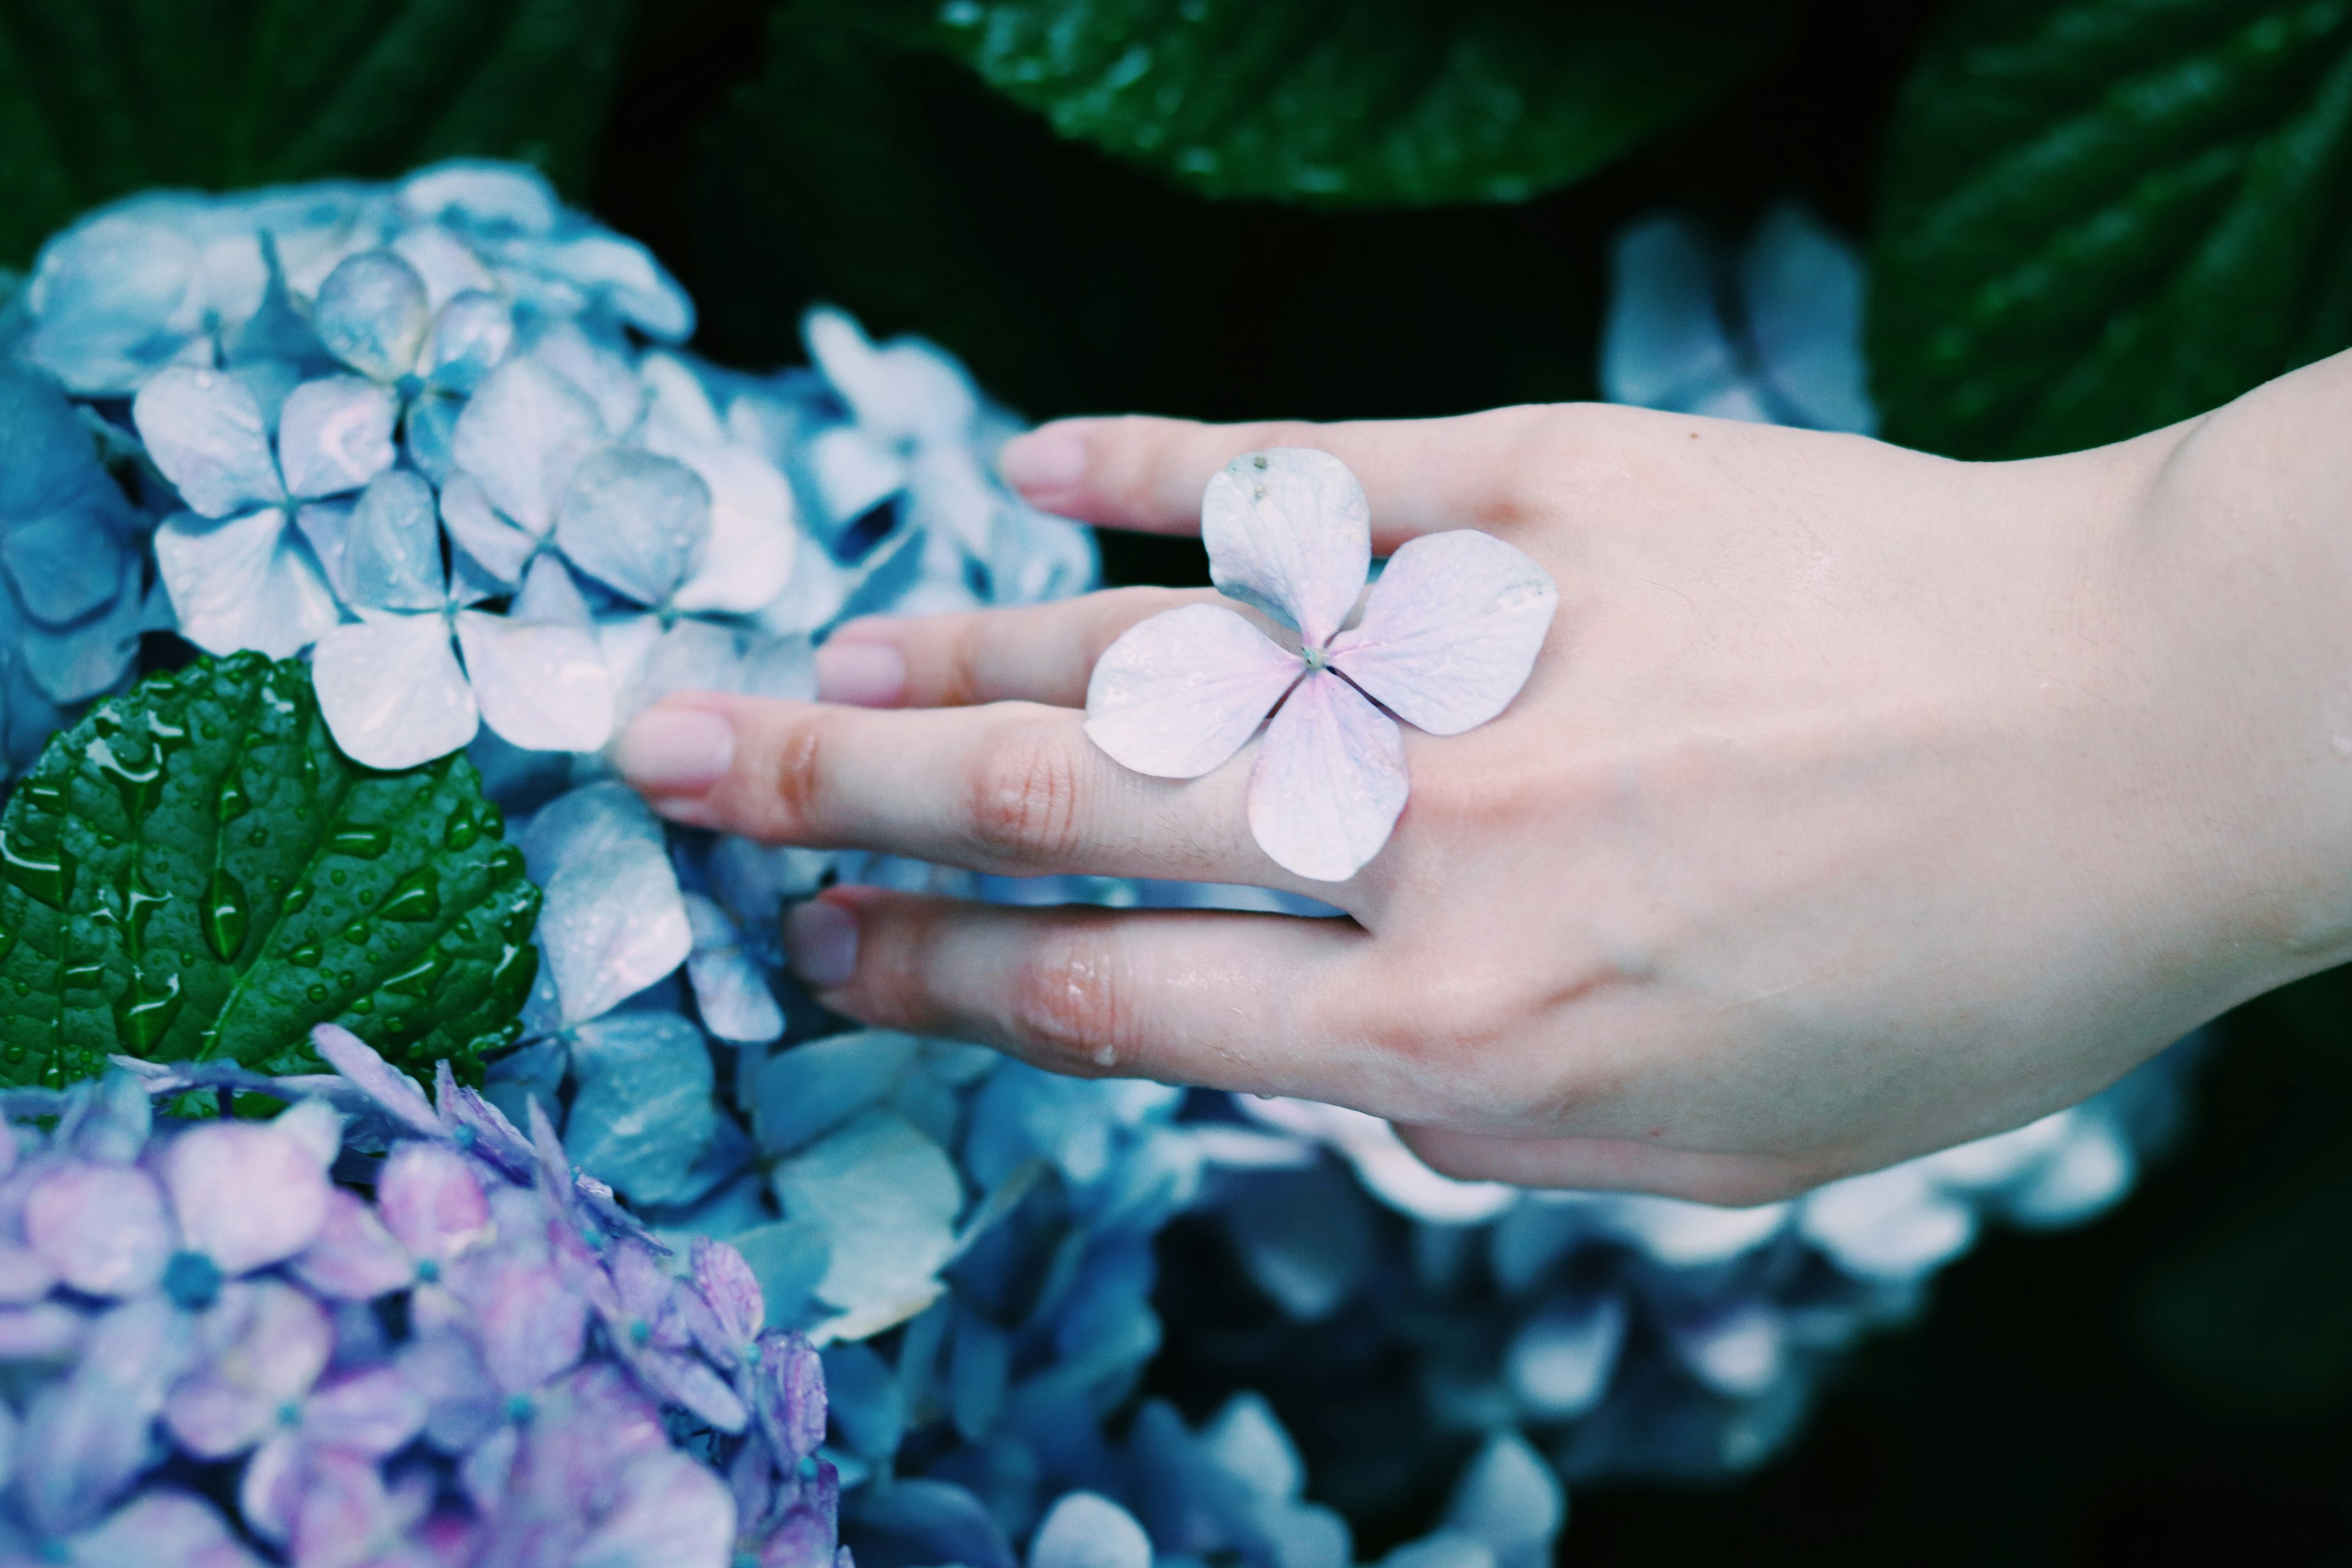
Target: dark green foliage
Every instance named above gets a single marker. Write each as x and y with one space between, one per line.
194 870
1387 104
101 97
2104 215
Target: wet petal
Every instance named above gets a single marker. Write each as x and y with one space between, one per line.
1177 695
1329 780
470 338
522 435
788 1394
241 583
445 265
731 1291
245 1195
392 551
542 686
611 927
102 1227
597 369
354 1258
887 1198
729 992
392 691
584 824
1450 631
1290 533
267 1343
430 1199
642 1115
371 313
335 435
477 528
206 432
634 520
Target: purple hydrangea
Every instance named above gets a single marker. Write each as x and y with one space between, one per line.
375 1330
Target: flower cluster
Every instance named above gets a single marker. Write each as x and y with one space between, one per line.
211 1341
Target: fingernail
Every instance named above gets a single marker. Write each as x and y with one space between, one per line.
675 751
864 674
1046 461
821 940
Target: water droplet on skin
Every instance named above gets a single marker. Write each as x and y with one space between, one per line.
226 916
367 843
415 897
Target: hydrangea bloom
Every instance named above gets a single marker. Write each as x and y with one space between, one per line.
486 1363
1446 638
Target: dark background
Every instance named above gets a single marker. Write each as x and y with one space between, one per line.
2170 1385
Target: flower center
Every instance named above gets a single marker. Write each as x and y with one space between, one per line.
192 1281
1318 662
427 1271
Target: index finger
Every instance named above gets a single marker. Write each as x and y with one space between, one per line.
1421 475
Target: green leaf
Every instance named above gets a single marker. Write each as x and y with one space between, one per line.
194 870
101 97
2101 216
1360 102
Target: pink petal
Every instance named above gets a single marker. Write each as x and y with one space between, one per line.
102 1227
430 1199
732 1292
354 1258
372 1412
1328 782
1450 631
247 1196
1289 533
271 1341
269 1488
389 1087
1178 694
531 1327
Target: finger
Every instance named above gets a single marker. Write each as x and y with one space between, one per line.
1731 1181
1421 476
1228 1001
1032 653
1011 788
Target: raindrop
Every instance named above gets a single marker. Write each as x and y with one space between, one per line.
45 873
297 901
145 1014
367 843
234 801
417 978
318 993
226 916
415 897
257 837
307 955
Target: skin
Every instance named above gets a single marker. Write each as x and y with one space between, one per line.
1860 803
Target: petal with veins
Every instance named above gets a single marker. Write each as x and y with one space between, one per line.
1328 782
1177 695
334 434
634 520
237 585
1450 631
392 690
521 437
1289 533
540 685
392 551
206 432
476 526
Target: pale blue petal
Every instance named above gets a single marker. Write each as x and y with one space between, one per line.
789 1258
816 1086
446 265
1086 1530
905 390
64 565
853 472
470 338
1305 1238
753 543
391 557
614 920
521 437
624 274
949 495
598 370
392 692
642 1111
1246 1441
371 313
634 520
335 435
160 1528
1450 631
326 527
1288 533
541 685
730 993
939 1521
493 196
549 594
1177 695
1664 345
102 296
1896 1224
430 431
241 583
72 664
89 1434
1560 1363
1803 290
1328 782
206 432
887 1198
1510 1500
476 526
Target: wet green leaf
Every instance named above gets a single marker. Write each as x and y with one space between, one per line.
194 870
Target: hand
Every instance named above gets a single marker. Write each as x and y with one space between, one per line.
1860 803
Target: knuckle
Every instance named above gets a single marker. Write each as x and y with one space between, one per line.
1069 998
1021 789
797 776
965 652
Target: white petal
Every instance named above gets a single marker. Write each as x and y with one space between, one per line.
206 432
1178 694
1450 631
392 551
634 520
612 924
1803 291
447 267
905 390
477 528
239 584
1664 345
1328 782
542 686
606 378
371 311
854 473
521 435
549 595
588 824
1289 533
392 691
477 191
469 337
335 435
748 558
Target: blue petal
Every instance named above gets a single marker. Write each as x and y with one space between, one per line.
642 1114
102 296
206 432
1509 1499
334 434
810 1090
371 313
47 459
1803 291
634 520
392 553
64 565
1086 1530
470 338
887 1198
1664 345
